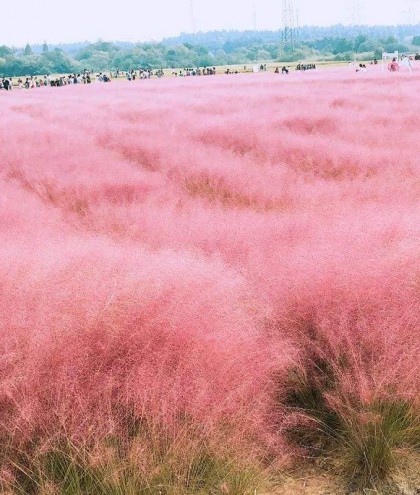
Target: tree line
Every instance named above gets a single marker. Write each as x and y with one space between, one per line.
209 49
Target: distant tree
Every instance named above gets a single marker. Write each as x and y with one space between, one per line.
347 56
378 52
99 60
391 40
229 46
367 46
28 50
342 45
361 38
59 62
396 47
104 46
201 50
22 66
262 55
5 51
293 55
212 48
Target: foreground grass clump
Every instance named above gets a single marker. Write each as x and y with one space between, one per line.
176 466
367 432
375 440
228 258
368 443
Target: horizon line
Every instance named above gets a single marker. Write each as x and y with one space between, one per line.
189 33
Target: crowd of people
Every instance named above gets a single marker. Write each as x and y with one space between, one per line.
87 77
305 67
53 81
132 75
187 72
393 66
406 61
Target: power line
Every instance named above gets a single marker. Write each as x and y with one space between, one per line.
290 24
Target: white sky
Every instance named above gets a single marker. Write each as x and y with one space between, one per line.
33 21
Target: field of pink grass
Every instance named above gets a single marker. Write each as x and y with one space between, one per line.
235 256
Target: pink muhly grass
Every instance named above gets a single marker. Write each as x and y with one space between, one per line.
194 249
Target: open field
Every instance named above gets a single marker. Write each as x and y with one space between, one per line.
211 284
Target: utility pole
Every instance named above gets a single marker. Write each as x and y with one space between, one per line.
356 13
192 17
290 27
410 13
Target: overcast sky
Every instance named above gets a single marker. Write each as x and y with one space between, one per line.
55 21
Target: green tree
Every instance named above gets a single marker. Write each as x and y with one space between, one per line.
58 62
367 46
45 48
342 45
28 50
378 52
361 38
98 61
396 47
416 41
391 40
5 51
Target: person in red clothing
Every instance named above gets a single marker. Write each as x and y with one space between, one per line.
394 66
